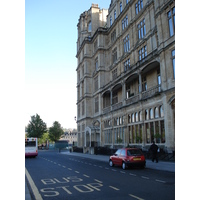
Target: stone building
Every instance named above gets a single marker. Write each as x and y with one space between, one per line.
126 75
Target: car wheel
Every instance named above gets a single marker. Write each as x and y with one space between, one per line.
124 165
110 163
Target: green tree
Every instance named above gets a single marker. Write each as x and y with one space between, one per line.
36 127
55 131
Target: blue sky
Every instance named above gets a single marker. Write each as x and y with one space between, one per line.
50 62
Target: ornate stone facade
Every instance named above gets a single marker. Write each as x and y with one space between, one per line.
126 75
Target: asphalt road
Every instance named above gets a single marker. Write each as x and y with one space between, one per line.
52 175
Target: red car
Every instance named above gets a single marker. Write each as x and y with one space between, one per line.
128 157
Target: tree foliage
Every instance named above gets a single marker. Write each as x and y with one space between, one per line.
36 127
55 131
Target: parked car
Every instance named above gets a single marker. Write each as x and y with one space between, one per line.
127 157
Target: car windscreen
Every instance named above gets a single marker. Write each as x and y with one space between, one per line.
134 152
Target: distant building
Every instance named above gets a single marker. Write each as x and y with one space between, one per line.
126 75
70 136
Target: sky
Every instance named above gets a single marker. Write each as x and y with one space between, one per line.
50 58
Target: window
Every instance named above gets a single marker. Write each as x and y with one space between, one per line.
114 55
126 44
141 29
128 91
151 113
127 65
161 111
96 104
83 108
156 112
115 15
140 116
159 80
138 6
144 84
90 26
115 98
125 22
114 74
113 36
133 118
142 52
171 21
173 62
123 152
110 20
146 114
120 7
136 117
96 83
96 64
126 1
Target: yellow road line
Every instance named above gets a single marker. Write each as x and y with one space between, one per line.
135 197
33 186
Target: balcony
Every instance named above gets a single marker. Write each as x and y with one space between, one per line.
151 92
117 105
132 99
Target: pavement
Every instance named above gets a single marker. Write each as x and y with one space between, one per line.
161 165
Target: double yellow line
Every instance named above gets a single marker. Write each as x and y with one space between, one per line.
33 186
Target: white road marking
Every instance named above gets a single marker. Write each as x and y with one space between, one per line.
33 186
160 181
98 181
77 172
145 177
114 188
135 197
86 176
133 174
69 169
122 172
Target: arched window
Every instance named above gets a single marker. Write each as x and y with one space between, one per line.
146 114
133 118
156 112
151 113
136 117
161 111
140 116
